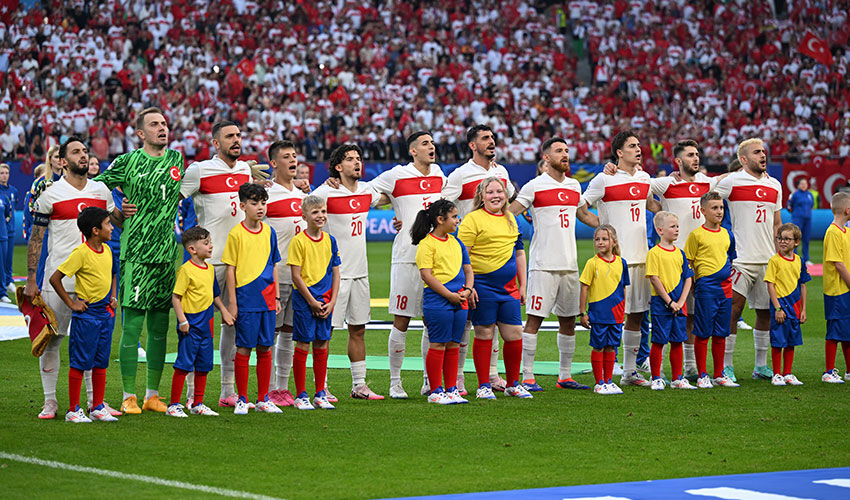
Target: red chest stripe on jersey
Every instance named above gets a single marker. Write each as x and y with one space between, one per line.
418 185
628 191
555 198
686 190
70 209
284 208
223 183
761 194
354 204
468 190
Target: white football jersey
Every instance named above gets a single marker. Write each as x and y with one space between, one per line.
60 204
553 207
752 204
214 189
622 203
464 180
682 198
283 214
409 192
347 216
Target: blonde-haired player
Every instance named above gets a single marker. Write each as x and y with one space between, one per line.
755 201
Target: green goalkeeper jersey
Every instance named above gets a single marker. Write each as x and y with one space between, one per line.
153 185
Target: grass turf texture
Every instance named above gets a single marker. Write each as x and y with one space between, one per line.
398 448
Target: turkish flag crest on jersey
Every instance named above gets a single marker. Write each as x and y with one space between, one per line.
816 48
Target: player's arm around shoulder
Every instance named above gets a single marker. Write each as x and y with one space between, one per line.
115 174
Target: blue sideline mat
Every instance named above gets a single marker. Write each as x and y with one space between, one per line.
814 484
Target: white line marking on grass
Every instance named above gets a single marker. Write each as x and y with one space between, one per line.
740 494
843 483
136 477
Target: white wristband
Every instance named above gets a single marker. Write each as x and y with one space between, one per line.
183 323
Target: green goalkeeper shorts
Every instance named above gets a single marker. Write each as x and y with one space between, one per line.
146 285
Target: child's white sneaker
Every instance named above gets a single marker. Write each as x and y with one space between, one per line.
614 388
830 377
681 383
241 407
102 415
267 407
704 382
439 396
77 417
202 409
725 382
518 391
777 380
321 401
302 402
455 397
176 410
790 379
657 384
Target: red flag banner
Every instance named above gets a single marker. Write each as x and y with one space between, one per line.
815 48
825 175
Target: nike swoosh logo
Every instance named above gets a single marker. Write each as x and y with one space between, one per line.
634 204
129 346
759 205
400 350
233 197
47 370
144 174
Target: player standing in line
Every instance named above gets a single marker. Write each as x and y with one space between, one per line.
555 202
492 238
213 186
410 188
836 287
283 214
55 211
602 303
150 178
444 266
251 256
623 200
460 188
710 250
671 278
681 196
348 209
786 279
755 201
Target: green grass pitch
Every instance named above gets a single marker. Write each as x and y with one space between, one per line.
399 448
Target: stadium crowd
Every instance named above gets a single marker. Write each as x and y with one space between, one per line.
326 73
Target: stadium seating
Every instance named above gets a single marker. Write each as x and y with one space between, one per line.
328 72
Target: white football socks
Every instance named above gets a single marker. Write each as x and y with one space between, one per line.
395 351
730 349
227 350
461 355
529 350
566 350
631 345
494 359
283 352
48 365
424 346
690 358
761 342
358 373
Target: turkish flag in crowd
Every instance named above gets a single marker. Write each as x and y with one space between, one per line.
815 48
825 175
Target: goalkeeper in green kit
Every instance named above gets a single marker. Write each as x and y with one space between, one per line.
150 178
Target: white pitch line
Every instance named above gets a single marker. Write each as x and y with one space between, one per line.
136 477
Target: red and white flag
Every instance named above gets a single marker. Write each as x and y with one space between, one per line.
815 48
